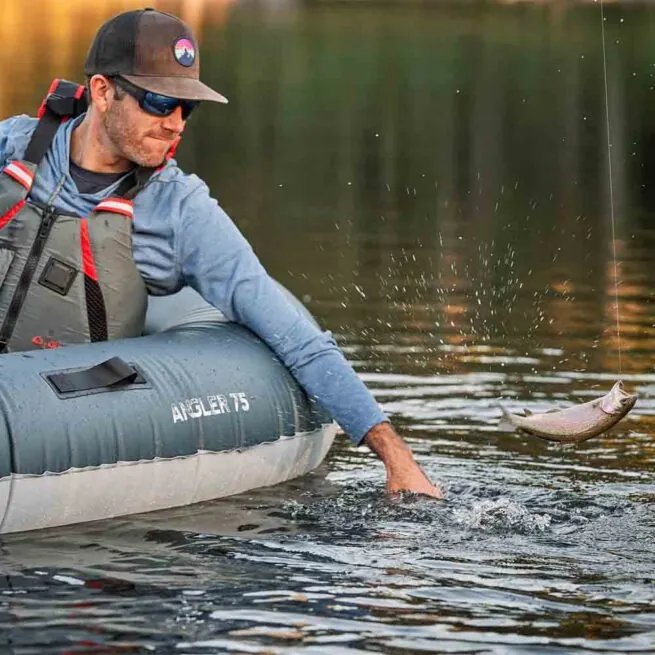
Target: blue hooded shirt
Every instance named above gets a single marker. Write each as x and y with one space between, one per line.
182 237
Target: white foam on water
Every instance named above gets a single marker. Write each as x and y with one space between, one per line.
501 513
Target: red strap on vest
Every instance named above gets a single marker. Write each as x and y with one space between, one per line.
19 172
42 108
64 100
95 302
116 206
11 213
79 92
88 262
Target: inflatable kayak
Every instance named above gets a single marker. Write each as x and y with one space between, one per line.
197 409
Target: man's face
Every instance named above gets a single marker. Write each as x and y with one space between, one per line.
138 136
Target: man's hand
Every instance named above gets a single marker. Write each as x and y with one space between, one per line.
403 473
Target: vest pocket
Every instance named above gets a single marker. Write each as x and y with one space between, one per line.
6 257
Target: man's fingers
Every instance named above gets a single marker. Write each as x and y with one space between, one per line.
429 490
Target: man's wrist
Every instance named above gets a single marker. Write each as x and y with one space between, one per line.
385 442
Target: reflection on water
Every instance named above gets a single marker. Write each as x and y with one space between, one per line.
432 179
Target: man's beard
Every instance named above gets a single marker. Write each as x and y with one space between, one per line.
123 135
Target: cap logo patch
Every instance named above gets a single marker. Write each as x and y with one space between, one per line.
185 52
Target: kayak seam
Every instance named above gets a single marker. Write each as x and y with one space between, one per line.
134 462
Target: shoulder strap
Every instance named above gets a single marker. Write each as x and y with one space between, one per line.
64 100
134 183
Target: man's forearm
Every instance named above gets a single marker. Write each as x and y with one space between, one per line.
403 473
385 442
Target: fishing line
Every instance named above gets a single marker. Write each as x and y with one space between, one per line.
609 162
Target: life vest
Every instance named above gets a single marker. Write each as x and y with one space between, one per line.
65 279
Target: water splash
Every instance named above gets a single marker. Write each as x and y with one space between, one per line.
501 514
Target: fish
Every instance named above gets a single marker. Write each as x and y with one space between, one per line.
577 423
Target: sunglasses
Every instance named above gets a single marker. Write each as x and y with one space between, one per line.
156 104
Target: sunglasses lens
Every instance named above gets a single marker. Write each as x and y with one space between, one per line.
156 103
160 105
187 107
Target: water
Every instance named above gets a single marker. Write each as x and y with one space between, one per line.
432 180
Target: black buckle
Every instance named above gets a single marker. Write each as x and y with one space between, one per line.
62 106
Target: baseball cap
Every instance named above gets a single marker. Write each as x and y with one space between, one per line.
152 49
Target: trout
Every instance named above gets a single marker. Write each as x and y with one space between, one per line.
577 423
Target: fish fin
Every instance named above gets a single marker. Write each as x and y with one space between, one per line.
527 412
505 422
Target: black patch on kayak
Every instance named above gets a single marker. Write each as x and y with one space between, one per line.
109 376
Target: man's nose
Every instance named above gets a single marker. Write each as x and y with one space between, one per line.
174 121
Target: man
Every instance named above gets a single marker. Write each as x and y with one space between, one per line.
143 82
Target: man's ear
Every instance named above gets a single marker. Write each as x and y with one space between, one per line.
101 92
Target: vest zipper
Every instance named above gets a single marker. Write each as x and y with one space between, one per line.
47 221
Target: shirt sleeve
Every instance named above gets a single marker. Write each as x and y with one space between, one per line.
6 127
218 262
